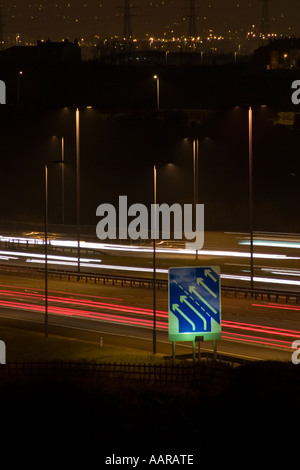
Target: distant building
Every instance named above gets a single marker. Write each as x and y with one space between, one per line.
44 52
279 54
64 52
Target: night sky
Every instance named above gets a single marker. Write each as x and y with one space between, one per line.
90 19
136 90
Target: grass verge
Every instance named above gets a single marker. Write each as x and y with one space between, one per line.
29 346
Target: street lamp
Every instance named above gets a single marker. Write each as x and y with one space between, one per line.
250 124
154 228
19 85
77 130
62 180
195 180
46 250
157 90
195 168
78 184
46 243
154 259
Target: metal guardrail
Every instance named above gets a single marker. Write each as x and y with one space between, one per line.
262 294
70 275
143 282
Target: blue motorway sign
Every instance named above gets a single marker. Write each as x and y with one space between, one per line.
194 303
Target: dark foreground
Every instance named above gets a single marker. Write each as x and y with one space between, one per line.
251 415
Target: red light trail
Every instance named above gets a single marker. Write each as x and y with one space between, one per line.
142 317
62 292
278 306
82 313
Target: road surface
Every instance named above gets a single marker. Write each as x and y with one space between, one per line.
124 315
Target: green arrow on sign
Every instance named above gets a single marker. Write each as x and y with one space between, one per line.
200 281
194 291
207 272
175 307
183 299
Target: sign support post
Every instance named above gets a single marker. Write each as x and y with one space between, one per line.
173 351
215 349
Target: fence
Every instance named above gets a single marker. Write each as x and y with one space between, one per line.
208 372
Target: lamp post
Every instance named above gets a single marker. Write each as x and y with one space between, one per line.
46 250
77 131
19 85
195 143
154 259
46 242
62 179
78 186
250 123
157 91
154 229
195 167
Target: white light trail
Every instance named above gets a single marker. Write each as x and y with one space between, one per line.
272 243
100 266
95 263
50 257
143 249
261 279
282 272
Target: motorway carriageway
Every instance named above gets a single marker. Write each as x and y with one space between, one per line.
265 326
276 257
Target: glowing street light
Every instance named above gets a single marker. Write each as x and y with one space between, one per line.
46 243
157 90
77 132
78 183
196 176
62 179
195 180
154 259
19 85
154 250
250 122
